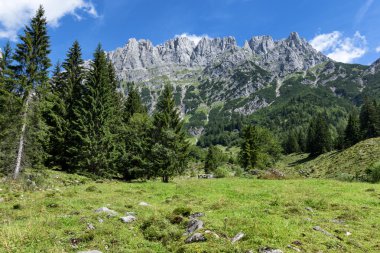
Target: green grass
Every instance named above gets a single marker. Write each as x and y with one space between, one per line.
348 164
270 213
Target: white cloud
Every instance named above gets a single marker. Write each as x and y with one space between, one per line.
340 48
194 38
378 49
14 14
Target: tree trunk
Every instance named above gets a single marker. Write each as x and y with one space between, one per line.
165 178
22 137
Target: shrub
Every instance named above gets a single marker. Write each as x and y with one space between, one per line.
373 173
221 172
92 188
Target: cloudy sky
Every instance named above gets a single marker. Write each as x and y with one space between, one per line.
345 30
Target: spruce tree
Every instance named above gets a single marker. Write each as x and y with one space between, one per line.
291 145
319 136
352 133
10 105
133 103
93 149
170 148
31 72
249 150
369 119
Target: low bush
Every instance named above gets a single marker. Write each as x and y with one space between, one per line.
373 173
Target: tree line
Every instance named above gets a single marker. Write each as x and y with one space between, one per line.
76 120
319 139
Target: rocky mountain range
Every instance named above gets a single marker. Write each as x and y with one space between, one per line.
217 73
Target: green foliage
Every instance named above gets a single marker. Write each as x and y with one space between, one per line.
222 172
215 158
259 149
370 119
292 145
136 161
352 133
373 173
319 139
133 103
95 146
31 73
169 151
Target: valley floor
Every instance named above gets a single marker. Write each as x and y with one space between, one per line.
281 214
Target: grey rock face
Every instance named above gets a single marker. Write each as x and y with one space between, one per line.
197 237
237 237
128 219
193 225
141 61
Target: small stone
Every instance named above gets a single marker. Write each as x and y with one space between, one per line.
348 233
128 219
143 204
90 226
269 250
294 248
130 213
106 210
238 237
197 237
196 215
337 221
1 200
193 225
309 209
100 220
318 228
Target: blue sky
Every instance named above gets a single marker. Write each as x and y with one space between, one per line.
346 30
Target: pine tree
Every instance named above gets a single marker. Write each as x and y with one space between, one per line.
352 132
10 105
31 71
214 159
319 136
93 149
170 148
291 145
249 150
133 103
369 119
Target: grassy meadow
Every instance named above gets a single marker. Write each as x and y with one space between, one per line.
280 214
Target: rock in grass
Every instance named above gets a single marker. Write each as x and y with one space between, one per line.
197 237
309 209
142 203
106 210
269 250
128 219
238 237
193 225
294 248
90 226
196 215
318 228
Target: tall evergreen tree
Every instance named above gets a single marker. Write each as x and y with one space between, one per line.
10 105
291 144
249 150
133 103
319 136
170 148
31 71
94 150
369 119
352 133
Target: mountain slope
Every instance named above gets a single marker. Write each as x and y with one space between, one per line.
216 80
